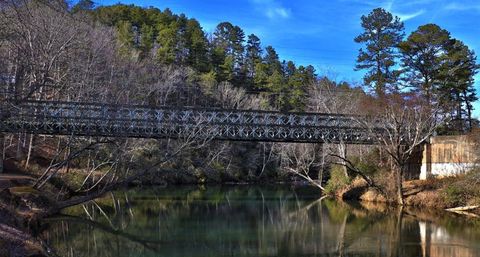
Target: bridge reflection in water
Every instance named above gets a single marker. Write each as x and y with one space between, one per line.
88 119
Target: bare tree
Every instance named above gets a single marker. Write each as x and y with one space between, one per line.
232 97
126 162
326 96
302 160
37 40
227 96
401 124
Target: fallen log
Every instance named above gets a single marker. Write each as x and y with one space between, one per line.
464 208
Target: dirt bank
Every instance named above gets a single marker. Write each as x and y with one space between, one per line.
438 193
20 211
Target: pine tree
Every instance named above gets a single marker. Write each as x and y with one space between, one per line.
168 44
422 57
272 60
260 78
125 35
289 69
276 86
456 90
147 38
253 56
381 36
298 83
229 39
196 44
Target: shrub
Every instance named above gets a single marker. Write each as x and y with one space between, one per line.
454 195
464 190
337 179
370 163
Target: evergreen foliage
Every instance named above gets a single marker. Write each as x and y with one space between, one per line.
441 69
429 63
226 55
381 36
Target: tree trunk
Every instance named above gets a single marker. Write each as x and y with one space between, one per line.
343 153
30 146
469 111
19 150
428 238
428 160
399 186
322 166
460 123
2 151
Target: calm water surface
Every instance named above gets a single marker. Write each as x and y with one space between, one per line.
254 221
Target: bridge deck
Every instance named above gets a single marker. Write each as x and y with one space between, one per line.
89 119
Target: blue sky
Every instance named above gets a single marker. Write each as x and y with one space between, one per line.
321 32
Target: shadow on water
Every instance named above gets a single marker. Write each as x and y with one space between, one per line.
254 221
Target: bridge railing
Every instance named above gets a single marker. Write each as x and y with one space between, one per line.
89 119
184 114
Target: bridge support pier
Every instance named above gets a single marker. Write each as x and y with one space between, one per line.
447 156
428 162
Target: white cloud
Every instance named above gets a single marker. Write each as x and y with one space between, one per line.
281 12
271 9
406 17
388 5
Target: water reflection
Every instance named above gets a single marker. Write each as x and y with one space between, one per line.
253 221
437 241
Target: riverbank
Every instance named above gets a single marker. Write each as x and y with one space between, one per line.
21 211
437 193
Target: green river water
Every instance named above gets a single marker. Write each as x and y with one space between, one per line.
254 221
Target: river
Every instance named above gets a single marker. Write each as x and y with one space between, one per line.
254 221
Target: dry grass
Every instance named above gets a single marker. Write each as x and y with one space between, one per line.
444 192
430 198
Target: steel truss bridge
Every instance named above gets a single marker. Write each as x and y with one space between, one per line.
106 120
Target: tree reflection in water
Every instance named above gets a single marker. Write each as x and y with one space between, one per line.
253 221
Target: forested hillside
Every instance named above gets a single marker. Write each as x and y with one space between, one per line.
228 55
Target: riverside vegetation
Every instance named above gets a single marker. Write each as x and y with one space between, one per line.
124 54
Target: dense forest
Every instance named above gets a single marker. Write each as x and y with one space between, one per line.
226 56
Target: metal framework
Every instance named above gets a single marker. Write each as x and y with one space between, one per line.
88 119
